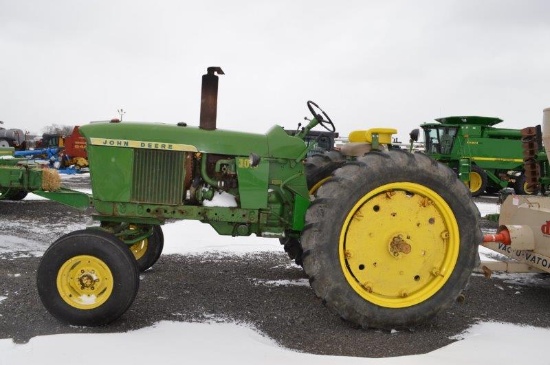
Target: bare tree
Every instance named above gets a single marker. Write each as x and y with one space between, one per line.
63 130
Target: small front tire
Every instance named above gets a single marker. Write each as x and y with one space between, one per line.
148 250
87 278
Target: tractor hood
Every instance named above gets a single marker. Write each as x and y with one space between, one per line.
275 144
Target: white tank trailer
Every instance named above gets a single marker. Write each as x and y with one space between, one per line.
524 228
11 137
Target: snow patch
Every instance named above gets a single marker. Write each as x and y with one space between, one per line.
488 208
222 199
299 282
241 344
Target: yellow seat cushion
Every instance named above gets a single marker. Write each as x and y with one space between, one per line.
384 135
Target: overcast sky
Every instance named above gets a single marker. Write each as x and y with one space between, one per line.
366 63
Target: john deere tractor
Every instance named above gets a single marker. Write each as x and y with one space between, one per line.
388 238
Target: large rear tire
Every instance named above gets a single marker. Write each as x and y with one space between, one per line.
320 167
391 240
87 278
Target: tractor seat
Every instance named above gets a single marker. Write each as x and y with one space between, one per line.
360 142
384 135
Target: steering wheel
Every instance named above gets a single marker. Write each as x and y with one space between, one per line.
326 123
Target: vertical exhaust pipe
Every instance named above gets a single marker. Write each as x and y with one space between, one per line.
209 98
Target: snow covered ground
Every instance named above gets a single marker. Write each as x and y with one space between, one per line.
219 342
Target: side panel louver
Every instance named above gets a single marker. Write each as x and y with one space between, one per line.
158 176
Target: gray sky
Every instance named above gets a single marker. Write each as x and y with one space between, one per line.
366 63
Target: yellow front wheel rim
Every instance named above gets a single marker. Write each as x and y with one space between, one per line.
85 282
399 245
140 248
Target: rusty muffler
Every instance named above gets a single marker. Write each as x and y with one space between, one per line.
209 98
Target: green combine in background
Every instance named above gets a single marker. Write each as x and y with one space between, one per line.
487 158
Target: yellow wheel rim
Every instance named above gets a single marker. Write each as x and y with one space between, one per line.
399 245
527 191
140 248
317 185
475 181
85 282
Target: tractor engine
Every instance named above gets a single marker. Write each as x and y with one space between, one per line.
223 170
208 173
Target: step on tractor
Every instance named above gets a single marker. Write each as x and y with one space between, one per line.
387 238
523 235
485 157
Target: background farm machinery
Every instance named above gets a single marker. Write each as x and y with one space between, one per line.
523 234
485 157
18 176
65 153
14 138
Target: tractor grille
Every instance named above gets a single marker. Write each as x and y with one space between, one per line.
158 176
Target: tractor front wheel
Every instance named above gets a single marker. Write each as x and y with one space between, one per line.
87 278
148 250
391 239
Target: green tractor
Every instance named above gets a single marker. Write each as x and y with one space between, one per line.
485 157
388 238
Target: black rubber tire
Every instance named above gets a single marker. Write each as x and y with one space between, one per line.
519 186
13 194
100 245
155 244
335 200
321 166
318 167
476 170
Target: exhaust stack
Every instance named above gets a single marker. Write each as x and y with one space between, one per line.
209 98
